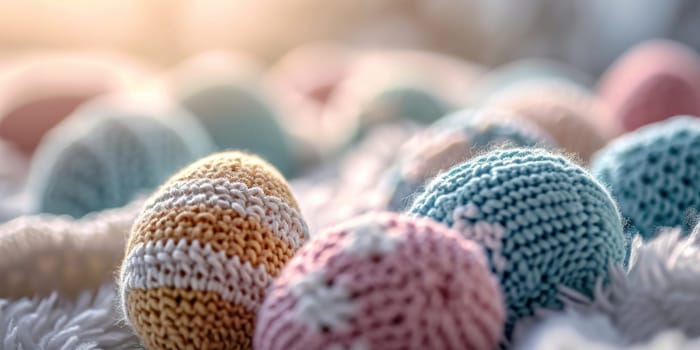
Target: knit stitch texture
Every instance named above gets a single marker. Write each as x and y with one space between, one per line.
544 222
454 139
654 174
383 281
204 249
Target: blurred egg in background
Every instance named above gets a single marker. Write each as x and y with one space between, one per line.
557 142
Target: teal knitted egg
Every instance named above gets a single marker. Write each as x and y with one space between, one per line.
238 117
544 222
100 157
404 102
654 174
452 140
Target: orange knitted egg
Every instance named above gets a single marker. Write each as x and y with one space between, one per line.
203 251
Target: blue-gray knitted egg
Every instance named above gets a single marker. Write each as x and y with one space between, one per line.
237 116
654 174
543 221
452 140
101 156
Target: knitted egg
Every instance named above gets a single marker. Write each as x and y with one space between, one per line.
522 71
101 156
544 222
404 102
38 91
572 116
653 81
373 71
203 251
383 281
306 76
238 117
301 83
452 140
654 174
389 85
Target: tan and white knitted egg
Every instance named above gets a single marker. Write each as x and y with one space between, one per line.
203 251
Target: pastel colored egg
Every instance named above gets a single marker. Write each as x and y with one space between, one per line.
575 118
383 281
544 222
38 91
307 76
203 251
652 81
454 139
390 85
654 175
301 83
404 102
237 114
526 71
103 155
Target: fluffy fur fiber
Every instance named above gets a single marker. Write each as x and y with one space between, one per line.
660 292
576 331
654 306
86 322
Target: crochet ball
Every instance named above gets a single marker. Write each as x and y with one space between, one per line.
653 81
237 117
383 281
203 251
574 117
452 140
654 174
100 157
544 221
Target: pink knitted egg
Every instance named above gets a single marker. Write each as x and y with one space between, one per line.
37 91
383 281
651 82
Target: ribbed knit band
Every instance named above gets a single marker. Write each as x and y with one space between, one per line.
204 249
